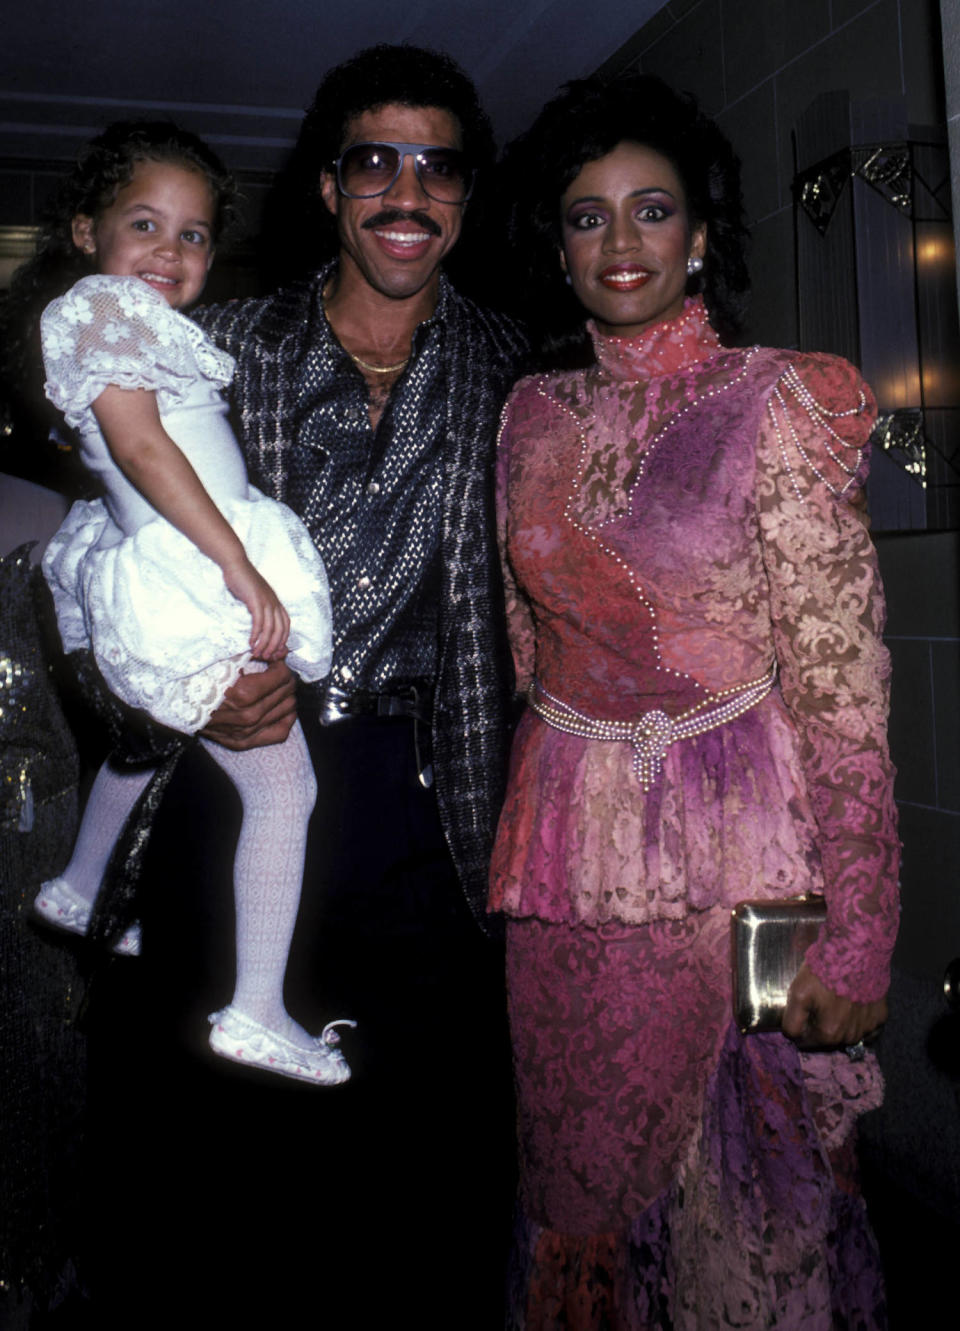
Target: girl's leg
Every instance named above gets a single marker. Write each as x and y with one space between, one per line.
278 789
66 902
112 797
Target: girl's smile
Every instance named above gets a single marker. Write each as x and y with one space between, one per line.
158 228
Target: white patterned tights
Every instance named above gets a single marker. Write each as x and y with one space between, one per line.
278 790
277 787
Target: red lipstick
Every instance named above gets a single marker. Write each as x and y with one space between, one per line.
625 277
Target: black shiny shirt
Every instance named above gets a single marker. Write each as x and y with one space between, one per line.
373 504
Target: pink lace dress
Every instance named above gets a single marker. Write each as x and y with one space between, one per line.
674 522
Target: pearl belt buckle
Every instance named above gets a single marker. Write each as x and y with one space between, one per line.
652 734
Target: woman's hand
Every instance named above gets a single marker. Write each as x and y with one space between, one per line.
816 1016
271 623
258 709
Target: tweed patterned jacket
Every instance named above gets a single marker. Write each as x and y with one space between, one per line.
483 355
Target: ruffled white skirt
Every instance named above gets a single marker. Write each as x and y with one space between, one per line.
167 635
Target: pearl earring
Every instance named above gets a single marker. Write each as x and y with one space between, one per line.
694 265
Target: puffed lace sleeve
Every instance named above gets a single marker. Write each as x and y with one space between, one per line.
117 330
828 615
520 625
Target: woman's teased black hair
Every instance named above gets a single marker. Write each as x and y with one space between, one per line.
587 120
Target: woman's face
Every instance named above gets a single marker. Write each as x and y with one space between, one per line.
627 238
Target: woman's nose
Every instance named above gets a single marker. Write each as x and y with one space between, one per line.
620 235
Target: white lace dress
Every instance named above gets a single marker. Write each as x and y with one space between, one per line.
166 633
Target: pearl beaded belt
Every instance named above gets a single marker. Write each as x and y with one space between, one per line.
653 733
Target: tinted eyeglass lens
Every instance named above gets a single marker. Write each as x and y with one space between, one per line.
368 169
444 174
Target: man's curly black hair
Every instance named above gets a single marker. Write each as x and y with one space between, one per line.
584 122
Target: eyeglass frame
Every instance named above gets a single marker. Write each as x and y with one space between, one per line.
404 150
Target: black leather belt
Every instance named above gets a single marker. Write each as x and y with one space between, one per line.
336 704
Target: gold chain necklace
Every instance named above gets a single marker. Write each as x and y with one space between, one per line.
365 365
378 369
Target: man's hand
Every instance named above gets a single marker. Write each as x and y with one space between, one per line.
259 709
816 1016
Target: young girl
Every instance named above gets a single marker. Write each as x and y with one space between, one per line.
170 577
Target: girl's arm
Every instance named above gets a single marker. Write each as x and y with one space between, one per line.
150 460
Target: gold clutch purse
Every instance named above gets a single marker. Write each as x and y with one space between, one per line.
768 942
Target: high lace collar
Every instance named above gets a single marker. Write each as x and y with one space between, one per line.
661 349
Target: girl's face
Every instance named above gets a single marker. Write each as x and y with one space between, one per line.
158 228
627 237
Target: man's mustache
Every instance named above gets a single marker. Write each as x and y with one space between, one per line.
390 215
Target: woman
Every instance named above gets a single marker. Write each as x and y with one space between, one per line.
684 545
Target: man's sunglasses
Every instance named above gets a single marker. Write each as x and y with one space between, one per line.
365 170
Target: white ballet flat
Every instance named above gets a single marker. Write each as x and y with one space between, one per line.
58 905
238 1037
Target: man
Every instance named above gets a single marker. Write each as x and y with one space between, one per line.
368 397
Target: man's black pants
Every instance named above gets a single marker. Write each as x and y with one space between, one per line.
388 1197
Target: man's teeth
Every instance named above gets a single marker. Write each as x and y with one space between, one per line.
405 237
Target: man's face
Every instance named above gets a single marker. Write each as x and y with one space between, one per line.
397 240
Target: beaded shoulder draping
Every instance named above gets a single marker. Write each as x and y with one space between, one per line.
672 520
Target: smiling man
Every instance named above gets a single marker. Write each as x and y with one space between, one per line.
369 395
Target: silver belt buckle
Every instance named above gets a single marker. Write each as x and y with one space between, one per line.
335 706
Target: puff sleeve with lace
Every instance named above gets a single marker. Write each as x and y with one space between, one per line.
828 614
117 330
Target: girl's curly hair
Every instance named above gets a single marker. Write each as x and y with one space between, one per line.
584 122
103 167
